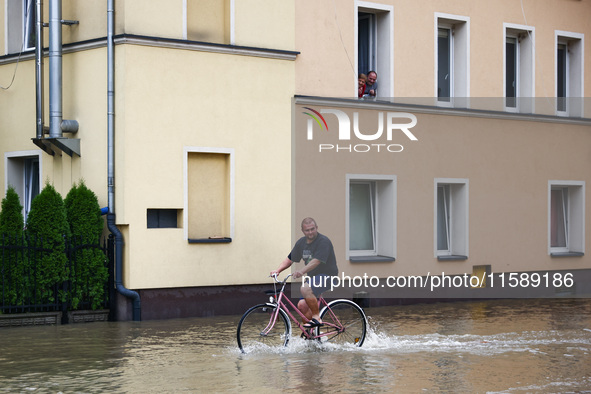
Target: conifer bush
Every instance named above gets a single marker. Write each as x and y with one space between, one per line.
11 235
47 221
57 253
11 216
89 274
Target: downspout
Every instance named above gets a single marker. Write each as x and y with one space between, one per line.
39 66
111 223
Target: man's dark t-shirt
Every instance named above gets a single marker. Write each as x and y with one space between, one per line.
321 249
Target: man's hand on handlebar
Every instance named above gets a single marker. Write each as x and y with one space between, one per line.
275 276
298 274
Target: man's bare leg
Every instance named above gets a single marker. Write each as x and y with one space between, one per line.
303 307
310 303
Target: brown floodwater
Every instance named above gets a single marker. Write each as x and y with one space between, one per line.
493 346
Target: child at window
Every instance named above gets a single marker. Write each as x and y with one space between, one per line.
361 85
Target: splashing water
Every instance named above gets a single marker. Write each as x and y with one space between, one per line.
378 340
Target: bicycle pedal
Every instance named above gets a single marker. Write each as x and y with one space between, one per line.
307 334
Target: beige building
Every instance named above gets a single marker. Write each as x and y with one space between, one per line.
201 126
469 169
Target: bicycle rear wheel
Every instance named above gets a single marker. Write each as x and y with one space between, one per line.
250 333
350 323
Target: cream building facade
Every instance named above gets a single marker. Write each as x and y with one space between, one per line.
202 120
220 150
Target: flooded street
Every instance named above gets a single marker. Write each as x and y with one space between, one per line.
495 346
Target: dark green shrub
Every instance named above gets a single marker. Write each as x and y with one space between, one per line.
11 217
11 236
47 221
89 274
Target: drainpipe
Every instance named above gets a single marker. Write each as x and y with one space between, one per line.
111 223
39 66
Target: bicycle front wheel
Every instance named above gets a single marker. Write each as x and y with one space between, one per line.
344 323
254 328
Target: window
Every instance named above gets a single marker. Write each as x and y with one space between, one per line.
452 59
362 215
29 19
209 194
371 217
511 71
451 219
20 25
366 44
519 68
443 217
561 84
444 55
569 74
566 218
375 35
559 217
23 173
162 218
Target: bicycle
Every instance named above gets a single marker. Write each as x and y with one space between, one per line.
344 322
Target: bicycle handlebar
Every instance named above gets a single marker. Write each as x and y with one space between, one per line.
276 277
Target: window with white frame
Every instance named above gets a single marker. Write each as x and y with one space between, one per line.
20 25
23 174
451 218
366 43
452 79
371 217
519 68
566 217
569 73
375 33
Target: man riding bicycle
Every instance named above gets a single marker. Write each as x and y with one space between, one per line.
319 264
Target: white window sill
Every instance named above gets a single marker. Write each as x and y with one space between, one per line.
452 257
567 254
371 259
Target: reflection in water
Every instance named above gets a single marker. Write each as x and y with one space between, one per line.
515 346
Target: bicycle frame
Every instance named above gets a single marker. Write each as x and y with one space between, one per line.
279 302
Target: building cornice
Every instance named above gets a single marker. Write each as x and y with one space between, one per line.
206 47
399 105
159 42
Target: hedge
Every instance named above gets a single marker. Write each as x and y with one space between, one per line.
52 222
